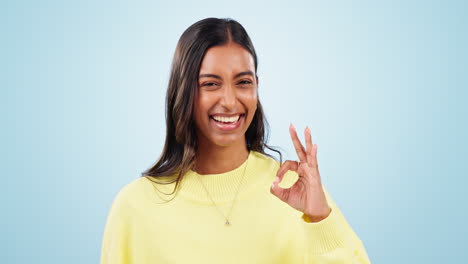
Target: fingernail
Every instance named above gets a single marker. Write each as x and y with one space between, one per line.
292 126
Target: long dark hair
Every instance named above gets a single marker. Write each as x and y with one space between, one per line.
178 155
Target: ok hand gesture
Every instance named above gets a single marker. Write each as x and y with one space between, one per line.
306 195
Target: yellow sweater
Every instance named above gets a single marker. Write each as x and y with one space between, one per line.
142 228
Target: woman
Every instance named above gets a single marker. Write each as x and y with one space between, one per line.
214 195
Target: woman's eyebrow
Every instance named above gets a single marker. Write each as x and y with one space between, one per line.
244 73
219 77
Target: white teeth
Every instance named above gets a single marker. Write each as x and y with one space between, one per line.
224 119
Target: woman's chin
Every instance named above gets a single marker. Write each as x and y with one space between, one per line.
228 140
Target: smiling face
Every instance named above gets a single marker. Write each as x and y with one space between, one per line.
227 96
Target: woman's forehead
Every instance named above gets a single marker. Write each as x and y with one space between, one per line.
227 59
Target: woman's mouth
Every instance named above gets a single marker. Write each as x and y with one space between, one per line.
225 122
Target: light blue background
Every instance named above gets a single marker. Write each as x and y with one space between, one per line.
382 84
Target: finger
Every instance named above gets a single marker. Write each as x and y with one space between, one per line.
309 146
287 166
281 193
297 144
314 163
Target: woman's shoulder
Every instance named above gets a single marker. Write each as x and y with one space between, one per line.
131 190
138 193
264 160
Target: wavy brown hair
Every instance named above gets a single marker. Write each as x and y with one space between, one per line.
178 155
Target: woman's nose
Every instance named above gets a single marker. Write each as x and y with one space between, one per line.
229 97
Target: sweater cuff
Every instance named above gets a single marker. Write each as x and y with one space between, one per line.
326 235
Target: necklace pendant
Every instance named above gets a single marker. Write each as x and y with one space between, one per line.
227 222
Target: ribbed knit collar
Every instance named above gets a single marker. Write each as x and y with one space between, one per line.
222 187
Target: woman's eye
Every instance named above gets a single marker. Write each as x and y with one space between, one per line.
245 82
209 84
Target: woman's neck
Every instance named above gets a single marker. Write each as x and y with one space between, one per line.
212 159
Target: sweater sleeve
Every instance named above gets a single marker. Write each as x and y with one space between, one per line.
332 240
115 249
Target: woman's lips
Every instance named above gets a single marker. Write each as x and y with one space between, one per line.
223 122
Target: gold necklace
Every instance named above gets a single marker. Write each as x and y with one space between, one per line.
238 188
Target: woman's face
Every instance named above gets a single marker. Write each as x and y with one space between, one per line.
227 95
